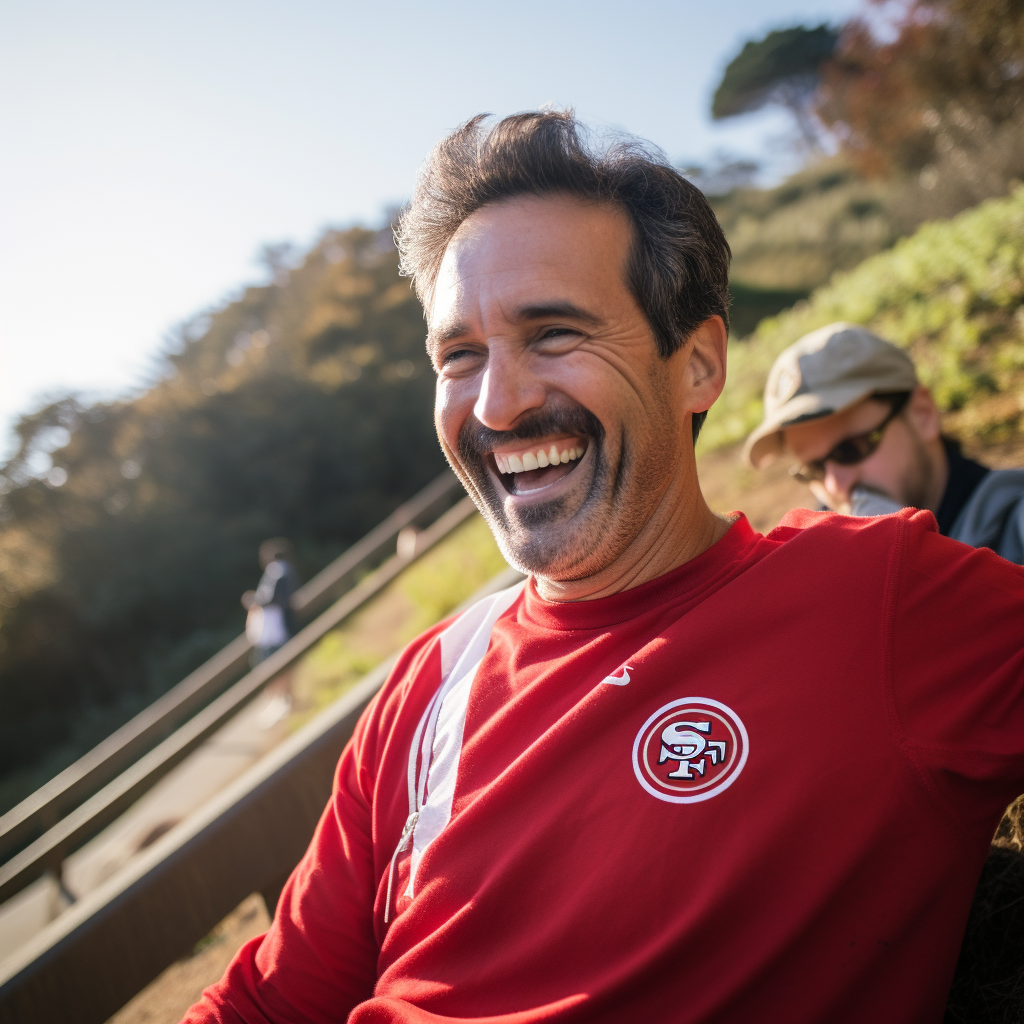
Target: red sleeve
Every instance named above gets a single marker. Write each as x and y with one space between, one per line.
319 958
956 667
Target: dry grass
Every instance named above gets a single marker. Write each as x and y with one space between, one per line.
167 998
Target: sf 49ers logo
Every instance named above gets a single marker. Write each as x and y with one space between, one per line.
690 750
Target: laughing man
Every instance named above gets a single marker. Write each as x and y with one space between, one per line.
680 774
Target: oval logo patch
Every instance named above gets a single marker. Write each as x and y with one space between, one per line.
690 750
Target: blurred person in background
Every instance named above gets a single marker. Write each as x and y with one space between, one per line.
867 437
270 620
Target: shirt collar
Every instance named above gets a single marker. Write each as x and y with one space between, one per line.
685 585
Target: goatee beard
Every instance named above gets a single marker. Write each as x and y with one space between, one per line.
523 541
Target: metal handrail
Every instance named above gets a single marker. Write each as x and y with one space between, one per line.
345 570
49 851
109 945
43 809
92 959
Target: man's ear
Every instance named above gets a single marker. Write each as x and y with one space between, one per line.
704 375
924 414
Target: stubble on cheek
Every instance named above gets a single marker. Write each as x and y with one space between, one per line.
917 486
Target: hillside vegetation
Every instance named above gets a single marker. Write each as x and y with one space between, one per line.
302 408
921 100
951 294
828 216
129 529
824 218
790 239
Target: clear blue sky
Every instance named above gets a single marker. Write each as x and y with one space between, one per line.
149 149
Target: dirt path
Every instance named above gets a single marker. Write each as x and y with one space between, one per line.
173 992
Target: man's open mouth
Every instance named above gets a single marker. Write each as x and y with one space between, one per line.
531 468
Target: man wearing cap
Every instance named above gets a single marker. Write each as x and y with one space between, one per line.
868 440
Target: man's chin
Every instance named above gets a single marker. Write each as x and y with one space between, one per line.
542 548
546 530
545 559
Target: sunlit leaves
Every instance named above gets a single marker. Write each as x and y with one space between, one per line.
951 294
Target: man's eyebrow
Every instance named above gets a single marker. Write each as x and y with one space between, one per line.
557 310
446 332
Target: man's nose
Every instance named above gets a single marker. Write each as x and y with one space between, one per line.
840 480
507 389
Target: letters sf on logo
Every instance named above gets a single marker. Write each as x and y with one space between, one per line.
690 750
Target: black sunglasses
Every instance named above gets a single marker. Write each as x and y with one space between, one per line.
852 450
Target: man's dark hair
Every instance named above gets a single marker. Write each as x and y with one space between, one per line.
678 265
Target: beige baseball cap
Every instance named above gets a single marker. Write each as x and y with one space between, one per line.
824 372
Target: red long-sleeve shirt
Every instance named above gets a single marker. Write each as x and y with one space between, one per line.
758 788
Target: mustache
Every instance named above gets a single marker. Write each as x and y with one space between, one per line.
477 441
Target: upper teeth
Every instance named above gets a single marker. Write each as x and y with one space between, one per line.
551 456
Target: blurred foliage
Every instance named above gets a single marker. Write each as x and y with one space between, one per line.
951 295
828 217
129 529
930 85
723 173
750 305
794 236
925 100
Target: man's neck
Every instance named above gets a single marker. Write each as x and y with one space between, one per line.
962 478
682 528
940 474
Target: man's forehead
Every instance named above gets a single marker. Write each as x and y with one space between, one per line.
529 250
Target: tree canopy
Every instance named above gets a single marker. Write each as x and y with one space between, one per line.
129 529
941 92
782 68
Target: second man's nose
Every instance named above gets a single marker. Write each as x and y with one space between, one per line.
840 480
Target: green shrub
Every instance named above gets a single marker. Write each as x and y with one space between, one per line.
950 294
